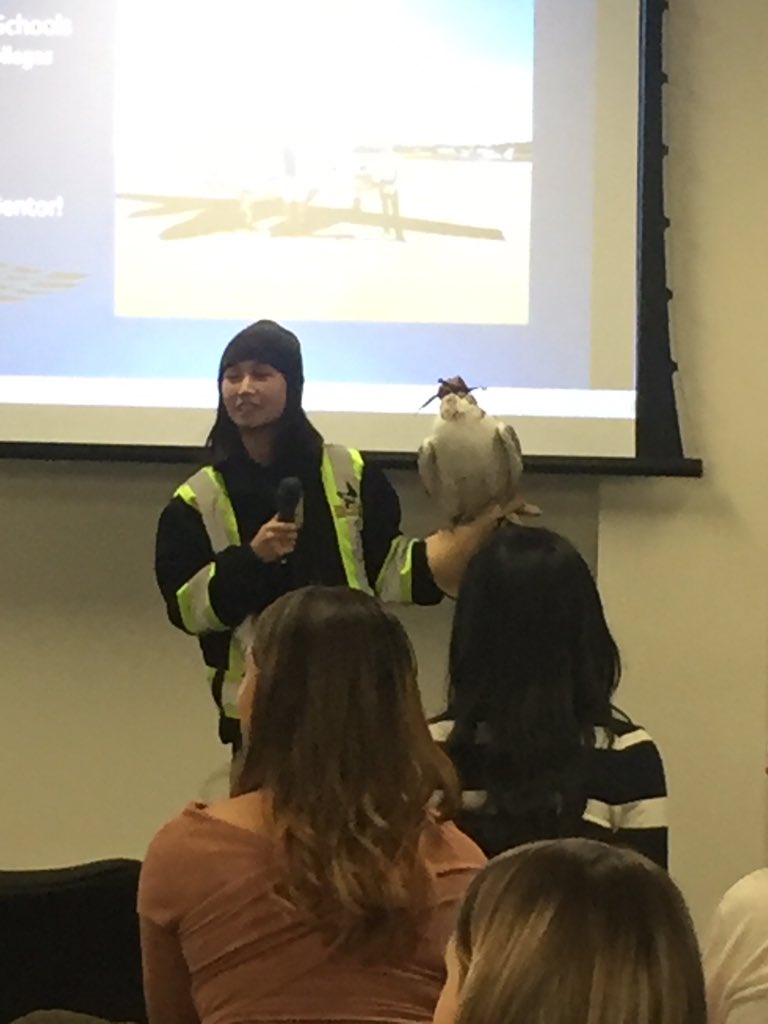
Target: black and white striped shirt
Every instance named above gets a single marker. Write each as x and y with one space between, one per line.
626 792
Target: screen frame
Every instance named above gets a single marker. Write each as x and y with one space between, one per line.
658 440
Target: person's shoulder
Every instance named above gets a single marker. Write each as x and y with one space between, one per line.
735 952
184 494
626 773
168 866
738 935
447 849
747 900
201 471
333 450
174 836
190 836
175 511
622 734
345 459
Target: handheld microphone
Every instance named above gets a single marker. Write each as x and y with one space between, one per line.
289 493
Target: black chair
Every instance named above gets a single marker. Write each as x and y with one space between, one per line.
69 940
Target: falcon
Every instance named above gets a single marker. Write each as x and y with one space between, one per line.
471 462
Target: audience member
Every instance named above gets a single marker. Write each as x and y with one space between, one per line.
573 931
327 886
540 749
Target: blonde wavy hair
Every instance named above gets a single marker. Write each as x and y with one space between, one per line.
576 932
338 740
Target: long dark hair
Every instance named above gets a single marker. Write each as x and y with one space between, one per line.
569 931
532 671
338 740
298 444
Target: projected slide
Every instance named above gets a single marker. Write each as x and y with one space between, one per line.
417 188
388 144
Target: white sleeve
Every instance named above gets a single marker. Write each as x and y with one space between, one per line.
736 954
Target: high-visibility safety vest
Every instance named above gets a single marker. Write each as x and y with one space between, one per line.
342 472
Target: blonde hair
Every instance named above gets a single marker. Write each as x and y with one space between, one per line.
576 932
338 739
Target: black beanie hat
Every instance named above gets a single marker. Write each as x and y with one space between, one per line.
298 442
268 342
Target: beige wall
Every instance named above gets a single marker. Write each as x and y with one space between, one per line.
106 727
683 564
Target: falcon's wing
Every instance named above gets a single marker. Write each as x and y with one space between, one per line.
509 456
511 440
428 471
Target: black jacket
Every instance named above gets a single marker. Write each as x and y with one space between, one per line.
243 584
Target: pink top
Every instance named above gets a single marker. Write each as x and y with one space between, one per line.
252 957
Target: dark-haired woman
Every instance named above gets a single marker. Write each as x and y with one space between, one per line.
326 888
540 748
222 554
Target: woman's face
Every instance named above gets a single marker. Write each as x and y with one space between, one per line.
253 394
448 1003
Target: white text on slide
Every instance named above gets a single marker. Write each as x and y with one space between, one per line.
25 59
20 27
30 207
56 27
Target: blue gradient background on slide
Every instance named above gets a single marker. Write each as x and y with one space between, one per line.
57 132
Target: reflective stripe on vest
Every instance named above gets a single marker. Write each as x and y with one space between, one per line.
206 493
195 608
342 473
394 582
342 480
